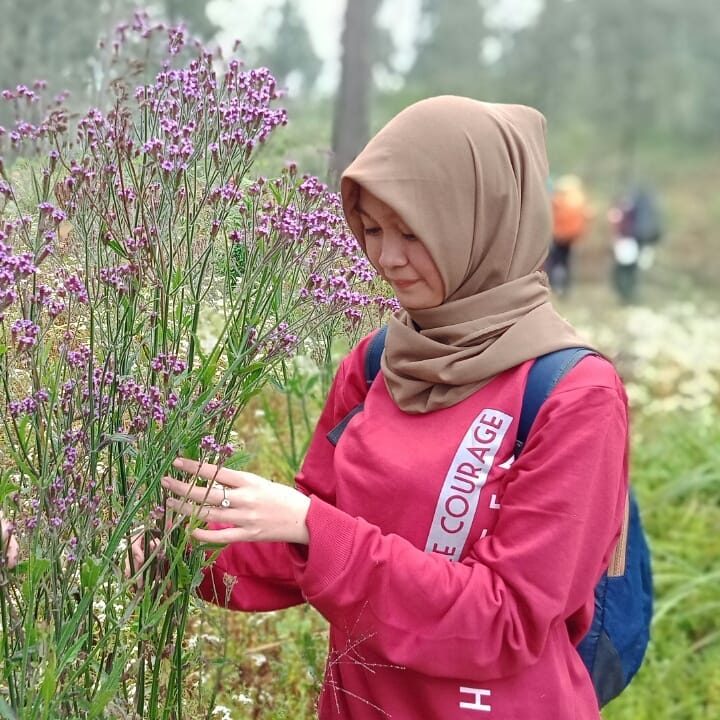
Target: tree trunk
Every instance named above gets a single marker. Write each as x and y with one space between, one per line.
351 121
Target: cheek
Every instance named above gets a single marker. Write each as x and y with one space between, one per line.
372 250
426 265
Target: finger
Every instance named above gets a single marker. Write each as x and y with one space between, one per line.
209 471
13 553
200 513
197 493
137 560
224 536
131 567
206 470
190 509
137 582
134 562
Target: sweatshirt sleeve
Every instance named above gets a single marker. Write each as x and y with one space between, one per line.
260 576
490 614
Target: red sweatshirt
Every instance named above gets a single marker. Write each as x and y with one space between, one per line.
455 581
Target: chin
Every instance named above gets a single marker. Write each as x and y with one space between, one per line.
410 306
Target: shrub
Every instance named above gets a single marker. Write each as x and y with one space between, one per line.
150 285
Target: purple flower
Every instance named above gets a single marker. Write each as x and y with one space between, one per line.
24 334
211 446
208 444
79 358
168 365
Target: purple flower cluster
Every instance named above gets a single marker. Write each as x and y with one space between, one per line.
167 366
120 278
134 208
55 117
70 490
78 358
13 268
48 210
217 408
186 100
280 341
145 404
24 334
228 193
312 187
313 227
210 446
22 92
28 405
54 299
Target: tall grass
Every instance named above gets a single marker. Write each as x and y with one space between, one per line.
677 475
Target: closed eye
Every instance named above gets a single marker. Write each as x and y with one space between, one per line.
371 230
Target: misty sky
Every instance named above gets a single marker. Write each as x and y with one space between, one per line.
254 21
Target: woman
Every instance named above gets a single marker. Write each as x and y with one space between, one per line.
455 580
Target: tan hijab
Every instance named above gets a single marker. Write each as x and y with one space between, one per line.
470 180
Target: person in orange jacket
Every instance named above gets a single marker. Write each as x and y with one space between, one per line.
571 216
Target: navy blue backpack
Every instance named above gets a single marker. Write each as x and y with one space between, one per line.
615 644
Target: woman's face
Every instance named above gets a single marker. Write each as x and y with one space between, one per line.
398 255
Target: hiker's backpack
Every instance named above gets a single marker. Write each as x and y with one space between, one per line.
615 644
643 216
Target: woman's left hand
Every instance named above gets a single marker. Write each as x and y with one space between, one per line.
10 548
258 509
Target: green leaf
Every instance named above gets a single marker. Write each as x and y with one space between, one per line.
107 691
276 191
238 460
191 450
69 655
118 438
7 488
34 569
90 573
184 576
209 367
6 712
24 430
115 245
49 682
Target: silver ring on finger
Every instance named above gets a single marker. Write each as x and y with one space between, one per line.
225 502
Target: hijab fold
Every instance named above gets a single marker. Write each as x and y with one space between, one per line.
470 180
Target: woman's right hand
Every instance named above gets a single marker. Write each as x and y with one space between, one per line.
141 542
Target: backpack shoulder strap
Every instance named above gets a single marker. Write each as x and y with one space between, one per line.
545 373
374 354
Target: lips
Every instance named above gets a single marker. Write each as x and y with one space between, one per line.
402 283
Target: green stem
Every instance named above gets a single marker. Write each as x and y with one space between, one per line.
7 635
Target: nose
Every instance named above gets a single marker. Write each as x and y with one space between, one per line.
393 251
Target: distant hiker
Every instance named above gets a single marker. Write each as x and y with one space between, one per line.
571 215
636 229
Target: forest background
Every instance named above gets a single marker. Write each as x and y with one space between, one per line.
631 93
